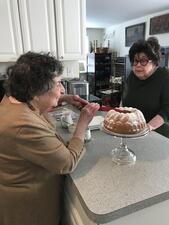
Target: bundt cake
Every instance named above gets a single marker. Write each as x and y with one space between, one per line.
124 120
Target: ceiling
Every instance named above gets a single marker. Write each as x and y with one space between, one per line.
105 13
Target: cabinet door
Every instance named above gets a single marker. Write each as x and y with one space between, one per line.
38 25
10 33
70 20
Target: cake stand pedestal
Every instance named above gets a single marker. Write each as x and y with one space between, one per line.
122 155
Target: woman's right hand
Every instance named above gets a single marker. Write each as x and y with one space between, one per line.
86 115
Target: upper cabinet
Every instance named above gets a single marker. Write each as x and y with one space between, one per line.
38 25
10 33
70 23
56 26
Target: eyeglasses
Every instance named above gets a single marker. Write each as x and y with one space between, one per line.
143 62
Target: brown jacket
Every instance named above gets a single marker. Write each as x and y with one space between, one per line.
32 157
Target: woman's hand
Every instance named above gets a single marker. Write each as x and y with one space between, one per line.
88 112
86 115
73 100
155 122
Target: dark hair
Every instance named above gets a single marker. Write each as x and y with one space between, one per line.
150 48
32 75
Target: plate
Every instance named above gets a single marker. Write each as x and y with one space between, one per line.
140 134
96 122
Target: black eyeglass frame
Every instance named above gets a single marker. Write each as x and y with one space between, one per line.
143 62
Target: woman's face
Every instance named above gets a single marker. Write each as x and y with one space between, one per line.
142 66
50 98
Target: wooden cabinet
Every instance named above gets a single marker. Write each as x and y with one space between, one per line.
10 38
98 71
56 26
70 21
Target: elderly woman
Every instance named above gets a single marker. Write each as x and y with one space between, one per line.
147 86
32 154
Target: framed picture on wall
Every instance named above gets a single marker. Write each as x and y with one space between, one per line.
159 24
134 33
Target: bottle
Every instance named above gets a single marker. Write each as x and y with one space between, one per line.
108 44
88 135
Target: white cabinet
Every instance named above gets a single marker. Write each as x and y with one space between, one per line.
74 213
56 26
70 22
10 33
38 25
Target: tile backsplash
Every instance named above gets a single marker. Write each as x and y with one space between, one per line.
71 68
4 66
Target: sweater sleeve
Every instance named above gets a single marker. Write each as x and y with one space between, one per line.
41 146
164 111
125 89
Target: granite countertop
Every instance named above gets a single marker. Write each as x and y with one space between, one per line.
108 191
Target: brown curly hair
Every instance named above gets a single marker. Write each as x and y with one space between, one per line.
32 75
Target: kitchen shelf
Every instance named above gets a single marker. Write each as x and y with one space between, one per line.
99 69
121 67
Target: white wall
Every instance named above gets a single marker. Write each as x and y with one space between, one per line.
116 34
96 34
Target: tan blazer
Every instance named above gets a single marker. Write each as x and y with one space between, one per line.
32 157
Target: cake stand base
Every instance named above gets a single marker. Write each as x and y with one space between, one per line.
122 155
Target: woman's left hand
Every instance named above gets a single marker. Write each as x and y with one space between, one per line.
73 100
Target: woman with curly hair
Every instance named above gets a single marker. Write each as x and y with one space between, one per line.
32 154
147 86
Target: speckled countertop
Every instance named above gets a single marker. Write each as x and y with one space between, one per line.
108 191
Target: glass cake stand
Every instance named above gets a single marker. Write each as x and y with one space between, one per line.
122 155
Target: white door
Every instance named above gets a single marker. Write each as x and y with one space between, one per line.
38 25
70 20
10 33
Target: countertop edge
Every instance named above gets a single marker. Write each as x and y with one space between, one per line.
108 217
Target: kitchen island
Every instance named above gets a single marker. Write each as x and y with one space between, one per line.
101 192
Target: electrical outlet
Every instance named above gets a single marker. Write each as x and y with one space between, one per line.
69 71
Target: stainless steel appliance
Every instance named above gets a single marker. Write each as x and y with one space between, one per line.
78 87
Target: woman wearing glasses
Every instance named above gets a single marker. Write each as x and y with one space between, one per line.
32 154
147 87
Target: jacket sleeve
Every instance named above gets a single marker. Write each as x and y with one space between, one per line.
41 146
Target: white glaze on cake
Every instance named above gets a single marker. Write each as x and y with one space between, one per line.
125 120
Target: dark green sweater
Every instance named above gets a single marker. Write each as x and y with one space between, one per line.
151 96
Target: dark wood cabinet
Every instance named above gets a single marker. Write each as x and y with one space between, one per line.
121 67
99 70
